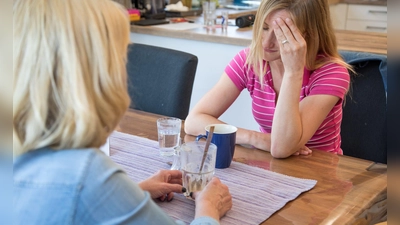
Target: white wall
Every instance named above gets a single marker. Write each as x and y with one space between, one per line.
213 59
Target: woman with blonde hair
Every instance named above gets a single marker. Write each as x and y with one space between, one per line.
70 92
296 79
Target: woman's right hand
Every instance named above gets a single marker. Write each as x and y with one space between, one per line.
214 200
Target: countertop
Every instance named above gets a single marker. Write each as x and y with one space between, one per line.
347 40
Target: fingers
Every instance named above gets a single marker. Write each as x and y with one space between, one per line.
174 173
282 31
170 196
171 176
216 180
167 197
278 32
194 194
294 30
168 188
305 151
176 181
286 30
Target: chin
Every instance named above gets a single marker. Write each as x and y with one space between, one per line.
272 57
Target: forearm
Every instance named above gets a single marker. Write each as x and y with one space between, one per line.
254 138
286 126
196 123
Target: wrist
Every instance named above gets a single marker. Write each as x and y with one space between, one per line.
261 140
142 185
205 209
293 75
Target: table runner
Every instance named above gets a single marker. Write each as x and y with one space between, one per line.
256 193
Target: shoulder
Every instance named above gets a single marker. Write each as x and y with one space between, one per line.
240 57
331 70
331 78
63 166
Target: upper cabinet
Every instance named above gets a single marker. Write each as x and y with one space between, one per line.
372 18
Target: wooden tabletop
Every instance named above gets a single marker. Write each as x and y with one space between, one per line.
348 191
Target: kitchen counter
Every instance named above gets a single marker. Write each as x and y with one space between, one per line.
347 40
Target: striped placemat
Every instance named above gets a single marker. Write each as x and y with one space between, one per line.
256 193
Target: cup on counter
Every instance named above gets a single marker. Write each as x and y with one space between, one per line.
191 156
224 137
169 131
209 13
224 19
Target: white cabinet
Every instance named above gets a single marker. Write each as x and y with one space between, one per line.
359 17
367 18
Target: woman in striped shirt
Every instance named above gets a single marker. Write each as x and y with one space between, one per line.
296 79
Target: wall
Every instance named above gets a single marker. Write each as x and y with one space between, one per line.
213 58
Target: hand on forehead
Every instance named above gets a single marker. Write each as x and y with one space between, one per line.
283 14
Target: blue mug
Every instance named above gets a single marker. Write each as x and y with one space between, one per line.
224 137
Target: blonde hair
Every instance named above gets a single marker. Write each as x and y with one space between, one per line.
312 17
70 88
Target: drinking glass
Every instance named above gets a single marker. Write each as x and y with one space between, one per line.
209 13
196 176
169 131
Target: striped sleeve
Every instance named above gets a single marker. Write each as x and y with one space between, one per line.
237 71
331 79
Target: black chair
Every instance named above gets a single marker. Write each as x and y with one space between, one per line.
160 80
364 127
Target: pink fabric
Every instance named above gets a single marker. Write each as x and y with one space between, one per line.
330 79
256 193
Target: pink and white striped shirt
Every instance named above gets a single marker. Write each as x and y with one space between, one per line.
330 79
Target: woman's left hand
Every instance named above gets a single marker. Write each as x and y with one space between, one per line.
303 151
162 184
293 47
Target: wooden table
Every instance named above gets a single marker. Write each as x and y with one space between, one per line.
348 191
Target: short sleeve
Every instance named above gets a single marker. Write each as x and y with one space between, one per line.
330 79
237 71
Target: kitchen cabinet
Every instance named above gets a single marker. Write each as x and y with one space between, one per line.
371 18
367 18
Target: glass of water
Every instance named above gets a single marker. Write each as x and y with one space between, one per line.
169 131
209 13
196 173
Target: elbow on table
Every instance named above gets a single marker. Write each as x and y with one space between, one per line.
279 153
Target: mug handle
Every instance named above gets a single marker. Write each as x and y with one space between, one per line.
201 136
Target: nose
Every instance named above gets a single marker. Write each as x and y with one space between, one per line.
269 39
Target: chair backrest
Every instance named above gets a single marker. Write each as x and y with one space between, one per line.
160 80
364 128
